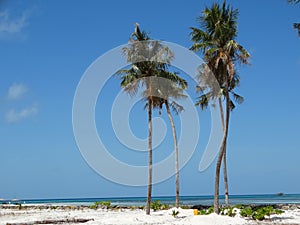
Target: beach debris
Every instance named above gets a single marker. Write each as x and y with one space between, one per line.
73 220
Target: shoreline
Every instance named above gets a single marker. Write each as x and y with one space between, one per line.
70 214
287 206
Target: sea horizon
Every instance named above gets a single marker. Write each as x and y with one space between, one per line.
278 198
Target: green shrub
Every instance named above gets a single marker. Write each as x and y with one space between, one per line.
278 211
202 212
228 211
239 206
156 205
185 206
210 210
107 204
246 212
206 211
260 213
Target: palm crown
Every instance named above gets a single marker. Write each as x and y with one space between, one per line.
215 39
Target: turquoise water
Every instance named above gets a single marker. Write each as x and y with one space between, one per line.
186 200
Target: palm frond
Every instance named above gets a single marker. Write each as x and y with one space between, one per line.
297 26
177 108
237 98
202 102
293 1
231 105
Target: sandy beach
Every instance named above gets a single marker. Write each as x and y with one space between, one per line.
84 215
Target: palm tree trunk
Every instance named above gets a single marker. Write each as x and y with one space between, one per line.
224 158
220 157
149 157
176 152
225 177
222 114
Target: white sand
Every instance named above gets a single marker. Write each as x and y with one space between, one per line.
135 217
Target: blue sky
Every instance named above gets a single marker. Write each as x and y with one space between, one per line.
46 46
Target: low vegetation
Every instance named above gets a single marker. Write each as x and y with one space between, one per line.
175 213
229 211
206 211
103 204
259 213
253 212
156 205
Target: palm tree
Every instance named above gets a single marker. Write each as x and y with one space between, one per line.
203 102
216 40
296 25
169 90
150 59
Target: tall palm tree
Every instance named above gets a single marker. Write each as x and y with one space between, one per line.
216 40
296 25
203 102
150 59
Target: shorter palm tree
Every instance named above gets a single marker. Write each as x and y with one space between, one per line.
170 89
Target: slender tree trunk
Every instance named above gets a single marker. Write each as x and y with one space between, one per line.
176 152
220 157
225 176
222 114
150 157
224 157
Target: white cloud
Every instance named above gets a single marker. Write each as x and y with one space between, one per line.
13 116
16 91
11 26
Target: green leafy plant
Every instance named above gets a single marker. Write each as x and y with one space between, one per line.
106 204
246 212
278 211
202 212
206 211
228 211
210 210
156 205
260 213
175 213
239 206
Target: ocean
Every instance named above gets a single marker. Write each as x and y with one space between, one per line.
184 200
